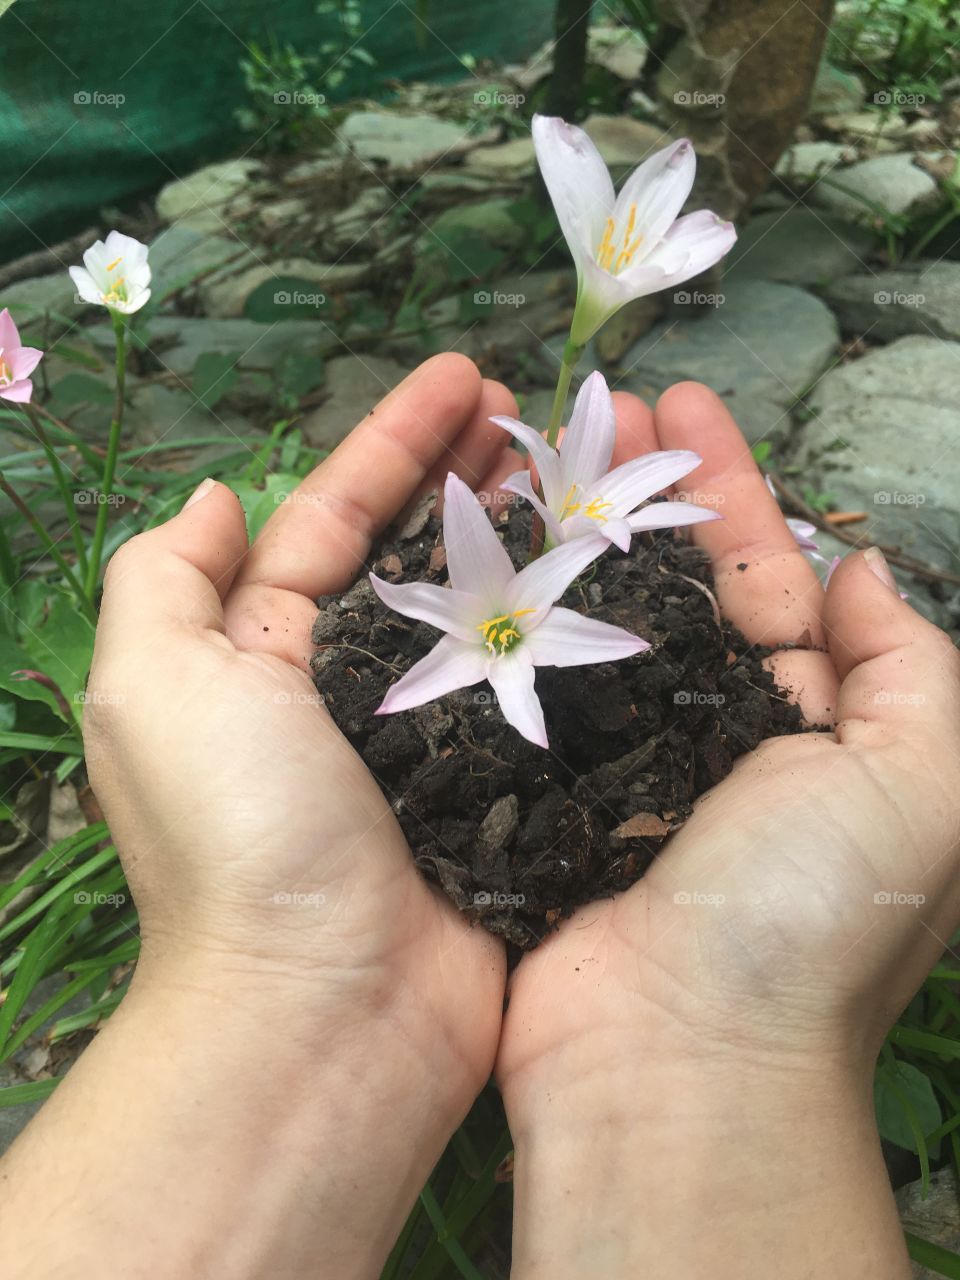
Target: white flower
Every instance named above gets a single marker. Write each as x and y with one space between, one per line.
629 245
115 274
500 624
580 496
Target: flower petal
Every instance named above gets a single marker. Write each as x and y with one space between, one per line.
457 612
587 445
601 295
87 287
521 484
669 515
17 392
450 664
568 639
545 459
23 361
618 532
658 188
692 244
639 479
512 678
544 580
476 559
9 334
578 182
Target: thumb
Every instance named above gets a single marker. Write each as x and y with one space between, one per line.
900 674
174 576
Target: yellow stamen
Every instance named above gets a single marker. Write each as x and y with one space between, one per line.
595 510
613 255
495 633
570 508
114 263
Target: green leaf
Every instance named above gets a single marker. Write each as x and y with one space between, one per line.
761 451
287 298
925 1252
61 646
80 388
299 374
18 1094
900 1089
213 377
260 502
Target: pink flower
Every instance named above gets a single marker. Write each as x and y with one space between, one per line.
628 245
580 495
500 624
17 362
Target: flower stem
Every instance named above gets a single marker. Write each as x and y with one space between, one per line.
65 492
75 585
571 354
8 566
110 464
92 457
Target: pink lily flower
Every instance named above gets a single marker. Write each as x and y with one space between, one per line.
628 245
17 362
500 624
581 496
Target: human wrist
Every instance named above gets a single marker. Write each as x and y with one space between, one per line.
726 1167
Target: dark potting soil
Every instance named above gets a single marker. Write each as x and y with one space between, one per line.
518 836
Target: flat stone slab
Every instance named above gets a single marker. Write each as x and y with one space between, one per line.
761 348
924 299
882 439
403 142
799 246
892 182
355 384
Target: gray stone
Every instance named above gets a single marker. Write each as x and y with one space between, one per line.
624 142
354 385
226 293
835 90
181 253
620 50
403 142
283 213
157 412
934 1215
513 159
494 220
202 199
882 439
799 246
924 299
500 825
866 124
178 341
805 161
52 300
892 182
761 348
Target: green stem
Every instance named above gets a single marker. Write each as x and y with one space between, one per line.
571 354
66 493
70 437
110 464
75 584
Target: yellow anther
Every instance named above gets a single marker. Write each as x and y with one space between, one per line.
596 508
570 507
614 254
114 263
495 633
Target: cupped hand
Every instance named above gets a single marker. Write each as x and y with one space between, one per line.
796 912
255 842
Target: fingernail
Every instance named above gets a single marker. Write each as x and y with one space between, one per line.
201 491
878 563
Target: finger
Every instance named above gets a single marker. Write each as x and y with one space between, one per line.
898 670
480 444
636 428
174 576
765 585
489 491
317 540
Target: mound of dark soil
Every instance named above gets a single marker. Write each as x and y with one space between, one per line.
518 836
